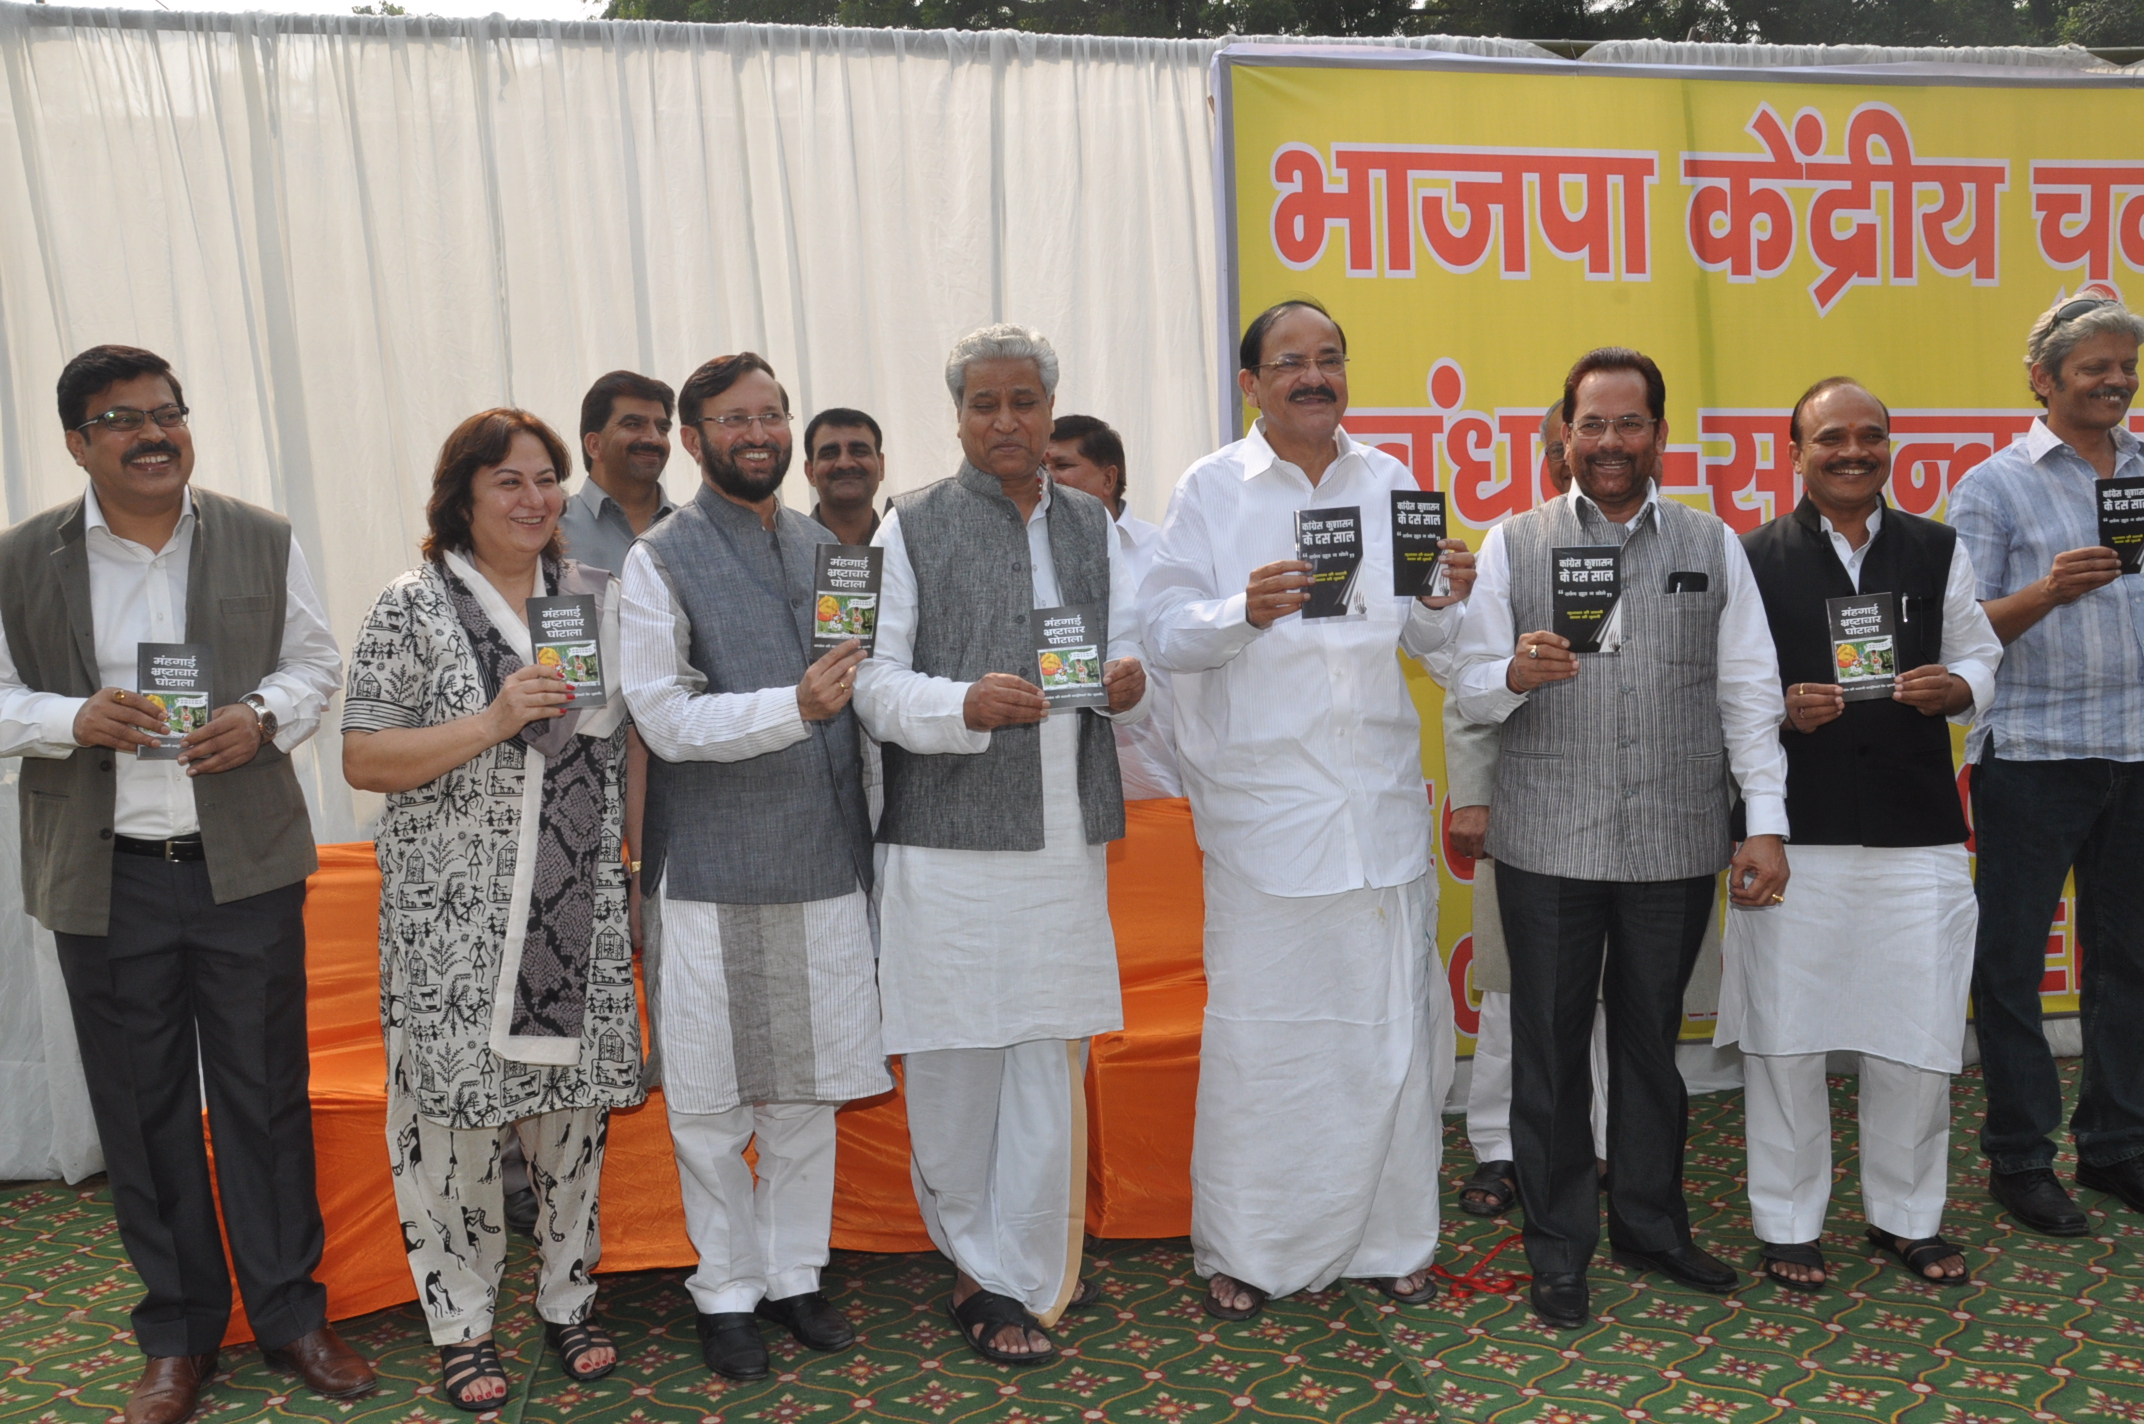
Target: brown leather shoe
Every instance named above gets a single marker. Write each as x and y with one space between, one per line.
169 1387
328 1366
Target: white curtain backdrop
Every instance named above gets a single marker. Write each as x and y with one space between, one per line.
349 233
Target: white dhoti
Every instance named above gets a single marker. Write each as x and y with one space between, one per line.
1871 953
767 1020
996 968
1326 1058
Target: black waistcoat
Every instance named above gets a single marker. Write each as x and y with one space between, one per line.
1881 775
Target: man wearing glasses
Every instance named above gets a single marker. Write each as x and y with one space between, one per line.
2058 769
175 887
1327 1044
757 865
1611 823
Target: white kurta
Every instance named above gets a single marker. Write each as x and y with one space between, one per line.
985 948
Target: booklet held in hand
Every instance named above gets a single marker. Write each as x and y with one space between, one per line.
1330 541
845 596
1588 579
1417 525
1070 644
2121 521
173 678
1864 653
562 635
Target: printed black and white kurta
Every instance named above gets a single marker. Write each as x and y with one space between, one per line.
452 904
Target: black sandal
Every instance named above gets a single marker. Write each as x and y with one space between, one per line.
993 1312
1219 1311
1918 1256
463 1365
1498 1184
576 1342
1087 1296
1422 1296
1794 1253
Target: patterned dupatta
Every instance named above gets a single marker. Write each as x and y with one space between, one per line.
551 989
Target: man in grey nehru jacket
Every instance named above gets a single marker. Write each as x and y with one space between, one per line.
758 865
1611 822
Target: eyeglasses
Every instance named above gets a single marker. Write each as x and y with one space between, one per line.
738 424
2069 311
124 419
1593 427
1327 365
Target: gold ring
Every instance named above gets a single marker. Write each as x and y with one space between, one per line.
1533 650
1778 899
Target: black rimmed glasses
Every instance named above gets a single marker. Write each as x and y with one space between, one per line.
125 419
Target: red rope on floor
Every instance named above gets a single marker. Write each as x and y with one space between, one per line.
1475 1283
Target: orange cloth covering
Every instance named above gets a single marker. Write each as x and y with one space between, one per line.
1141 1084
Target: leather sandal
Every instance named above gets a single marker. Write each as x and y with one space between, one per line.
1491 1191
1087 1296
1918 1256
461 1366
1219 1311
1422 1295
982 1315
1794 1253
576 1342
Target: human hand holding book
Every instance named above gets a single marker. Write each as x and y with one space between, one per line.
1540 658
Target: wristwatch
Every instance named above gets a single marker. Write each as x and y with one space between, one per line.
268 722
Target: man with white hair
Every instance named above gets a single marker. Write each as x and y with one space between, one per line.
997 961
2058 768
1327 1046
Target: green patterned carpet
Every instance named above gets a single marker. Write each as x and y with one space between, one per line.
2051 1331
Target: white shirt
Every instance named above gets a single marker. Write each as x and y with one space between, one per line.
1146 750
1299 744
138 595
1750 700
962 962
1970 648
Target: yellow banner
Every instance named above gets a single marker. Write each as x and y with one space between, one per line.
1475 226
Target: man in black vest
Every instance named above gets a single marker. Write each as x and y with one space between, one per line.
1880 638
175 885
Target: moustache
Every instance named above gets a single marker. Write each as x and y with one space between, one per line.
650 448
154 447
2110 392
1314 393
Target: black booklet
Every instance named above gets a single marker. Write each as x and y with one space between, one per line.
174 680
1070 644
563 635
845 596
1417 525
1330 541
2121 521
1864 630
1588 580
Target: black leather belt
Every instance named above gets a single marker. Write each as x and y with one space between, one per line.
180 848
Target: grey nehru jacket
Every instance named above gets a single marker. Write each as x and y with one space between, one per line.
255 833
788 826
1621 772
975 596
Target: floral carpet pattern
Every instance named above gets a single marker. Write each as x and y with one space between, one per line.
2049 1330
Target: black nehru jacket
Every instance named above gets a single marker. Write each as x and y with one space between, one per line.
1881 774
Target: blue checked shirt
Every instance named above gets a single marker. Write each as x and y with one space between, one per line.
2073 685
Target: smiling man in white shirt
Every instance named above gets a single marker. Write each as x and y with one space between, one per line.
1328 1035
175 888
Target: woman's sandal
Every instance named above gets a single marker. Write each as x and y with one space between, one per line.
1421 1295
1218 1311
1794 1253
463 1365
1497 1186
1918 1256
576 1342
1087 1296
982 1315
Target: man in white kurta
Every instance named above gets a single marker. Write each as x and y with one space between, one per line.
1871 952
1327 1047
758 866
997 961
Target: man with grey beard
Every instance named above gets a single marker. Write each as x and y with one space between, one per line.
757 859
